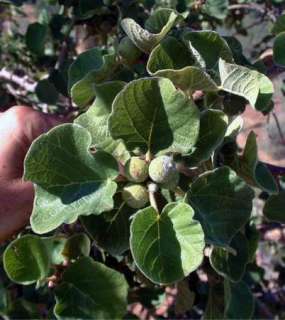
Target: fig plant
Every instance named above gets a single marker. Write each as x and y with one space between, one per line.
147 185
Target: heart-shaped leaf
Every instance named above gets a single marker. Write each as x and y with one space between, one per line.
167 247
146 40
95 120
87 289
152 115
222 202
71 181
274 208
199 43
228 264
250 84
213 128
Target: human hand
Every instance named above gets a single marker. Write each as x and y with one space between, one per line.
19 126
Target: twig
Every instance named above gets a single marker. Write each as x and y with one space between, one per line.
252 6
24 83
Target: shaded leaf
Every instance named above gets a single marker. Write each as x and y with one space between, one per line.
278 49
229 265
201 41
150 114
215 304
222 202
240 301
274 208
87 289
279 25
111 230
213 127
36 38
76 246
185 298
46 92
166 247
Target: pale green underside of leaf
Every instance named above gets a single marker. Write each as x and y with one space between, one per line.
95 120
274 208
83 91
249 84
216 8
213 127
57 205
144 39
208 47
222 202
166 247
91 290
151 114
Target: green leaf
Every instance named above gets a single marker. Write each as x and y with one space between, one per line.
222 202
145 40
46 92
213 127
215 304
71 181
76 246
95 120
90 290
89 60
240 301
27 260
217 8
274 208
171 59
229 265
151 114
278 49
82 92
185 298
250 84
279 25
36 38
111 230
167 247
200 41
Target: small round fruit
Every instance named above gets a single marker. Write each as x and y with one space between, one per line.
135 195
128 51
163 171
136 169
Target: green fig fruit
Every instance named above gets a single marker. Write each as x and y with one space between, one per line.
135 195
163 170
136 169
